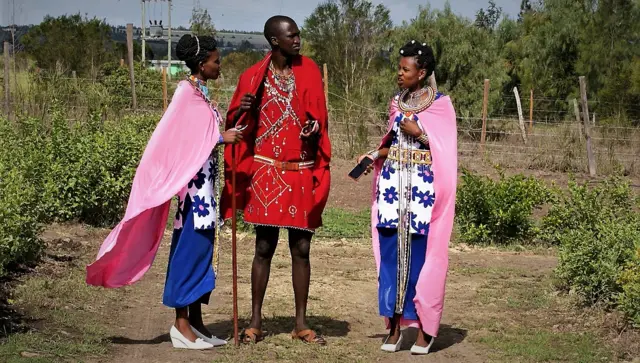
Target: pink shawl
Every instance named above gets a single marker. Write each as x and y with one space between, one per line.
179 146
439 121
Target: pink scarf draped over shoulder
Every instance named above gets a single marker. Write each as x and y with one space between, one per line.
439 122
181 143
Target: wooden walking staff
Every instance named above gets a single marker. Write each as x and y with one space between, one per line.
234 260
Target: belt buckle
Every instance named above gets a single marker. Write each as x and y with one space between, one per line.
283 165
295 166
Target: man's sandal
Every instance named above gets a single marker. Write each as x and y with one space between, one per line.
308 336
252 335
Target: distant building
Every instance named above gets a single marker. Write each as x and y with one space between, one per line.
176 67
228 41
239 40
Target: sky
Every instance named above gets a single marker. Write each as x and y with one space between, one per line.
248 15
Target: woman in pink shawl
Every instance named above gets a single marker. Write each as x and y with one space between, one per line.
413 204
182 158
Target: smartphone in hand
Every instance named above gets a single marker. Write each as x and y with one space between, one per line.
357 172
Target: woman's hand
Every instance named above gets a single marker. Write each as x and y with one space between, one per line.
410 127
370 167
231 136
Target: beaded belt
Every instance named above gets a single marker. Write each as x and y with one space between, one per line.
417 156
285 165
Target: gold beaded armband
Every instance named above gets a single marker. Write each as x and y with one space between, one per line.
423 139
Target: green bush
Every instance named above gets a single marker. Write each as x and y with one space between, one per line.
598 233
19 220
55 170
629 299
591 260
82 171
584 207
498 211
20 202
116 81
91 166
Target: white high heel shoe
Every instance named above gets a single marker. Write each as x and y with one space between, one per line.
416 350
215 341
179 341
392 348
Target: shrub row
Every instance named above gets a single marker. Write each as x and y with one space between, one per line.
596 230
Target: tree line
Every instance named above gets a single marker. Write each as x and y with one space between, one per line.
545 48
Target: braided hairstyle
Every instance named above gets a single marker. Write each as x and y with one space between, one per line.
423 55
194 50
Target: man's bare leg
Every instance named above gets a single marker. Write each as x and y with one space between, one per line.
299 245
266 243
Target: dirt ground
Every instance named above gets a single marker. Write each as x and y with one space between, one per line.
500 307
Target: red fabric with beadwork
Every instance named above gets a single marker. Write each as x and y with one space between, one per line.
270 196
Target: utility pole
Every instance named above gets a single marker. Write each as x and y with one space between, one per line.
144 33
169 57
156 32
13 44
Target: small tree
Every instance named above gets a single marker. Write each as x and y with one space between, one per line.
70 43
348 36
488 19
201 23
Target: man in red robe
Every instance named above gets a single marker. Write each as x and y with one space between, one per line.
283 176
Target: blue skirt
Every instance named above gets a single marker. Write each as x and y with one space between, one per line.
190 276
388 279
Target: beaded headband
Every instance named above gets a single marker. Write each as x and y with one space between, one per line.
414 42
197 41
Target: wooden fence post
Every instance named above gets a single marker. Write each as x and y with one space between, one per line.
531 112
520 117
165 97
326 84
131 71
7 68
587 130
576 109
485 111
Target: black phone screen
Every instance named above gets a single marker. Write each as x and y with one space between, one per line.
360 168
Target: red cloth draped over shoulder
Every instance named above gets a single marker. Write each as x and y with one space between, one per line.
309 87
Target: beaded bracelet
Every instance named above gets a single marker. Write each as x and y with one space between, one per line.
375 154
423 139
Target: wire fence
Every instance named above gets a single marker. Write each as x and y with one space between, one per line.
555 138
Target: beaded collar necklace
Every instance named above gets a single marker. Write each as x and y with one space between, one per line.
413 103
201 87
286 83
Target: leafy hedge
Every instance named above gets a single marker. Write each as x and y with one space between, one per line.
596 229
598 232
55 170
498 211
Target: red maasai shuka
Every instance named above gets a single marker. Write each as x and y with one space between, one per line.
270 196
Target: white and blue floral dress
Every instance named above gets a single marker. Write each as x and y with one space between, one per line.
405 199
190 275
